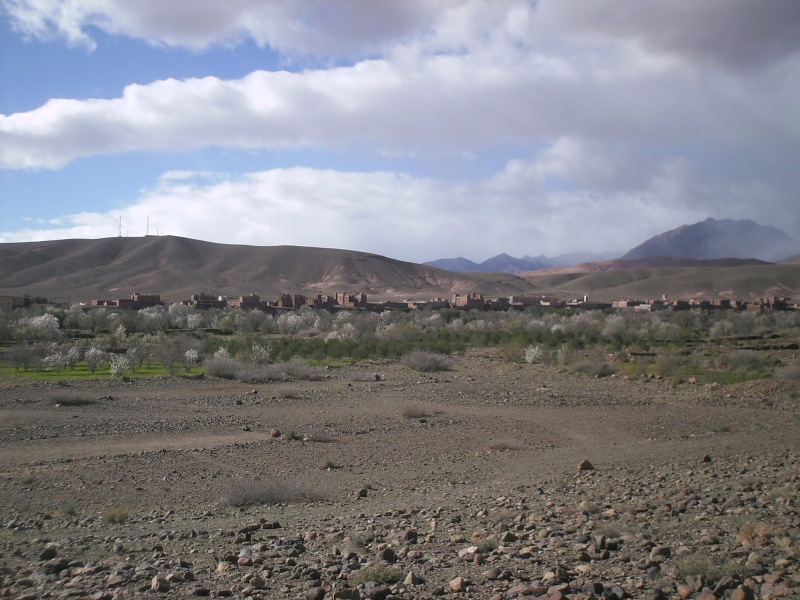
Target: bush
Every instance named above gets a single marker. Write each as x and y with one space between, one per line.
250 493
70 398
223 367
791 372
505 444
706 566
301 371
593 369
426 362
115 515
532 354
287 392
250 373
24 357
744 361
94 358
118 364
414 411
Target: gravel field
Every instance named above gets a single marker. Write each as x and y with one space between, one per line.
491 480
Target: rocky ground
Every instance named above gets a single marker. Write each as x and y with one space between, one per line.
492 480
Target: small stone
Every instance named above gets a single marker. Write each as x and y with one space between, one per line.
362 493
115 580
276 433
459 584
412 579
159 584
410 536
48 553
585 465
388 555
743 593
507 537
661 551
315 593
706 458
685 591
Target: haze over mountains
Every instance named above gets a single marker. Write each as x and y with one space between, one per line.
707 240
178 267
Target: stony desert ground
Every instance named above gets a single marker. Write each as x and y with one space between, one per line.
376 481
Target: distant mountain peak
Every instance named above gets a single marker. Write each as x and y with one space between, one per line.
719 238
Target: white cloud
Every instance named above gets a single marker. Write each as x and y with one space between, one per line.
418 219
638 106
319 27
414 103
734 34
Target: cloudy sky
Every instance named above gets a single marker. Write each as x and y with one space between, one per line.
415 129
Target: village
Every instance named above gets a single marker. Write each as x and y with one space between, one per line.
471 301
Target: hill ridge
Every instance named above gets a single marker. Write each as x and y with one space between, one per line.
177 267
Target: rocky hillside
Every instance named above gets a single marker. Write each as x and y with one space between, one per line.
177 267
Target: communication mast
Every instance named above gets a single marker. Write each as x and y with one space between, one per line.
120 226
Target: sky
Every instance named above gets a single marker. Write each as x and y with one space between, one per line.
416 130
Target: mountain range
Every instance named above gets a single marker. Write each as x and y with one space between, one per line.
707 240
684 262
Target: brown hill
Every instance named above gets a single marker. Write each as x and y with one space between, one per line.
177 267
644 263
743 282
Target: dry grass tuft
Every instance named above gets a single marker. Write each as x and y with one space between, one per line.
321 437
70 398
287 392
754 530
115 515
503 444
301 371
704 565
427 362
250 493
415 411
378 573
